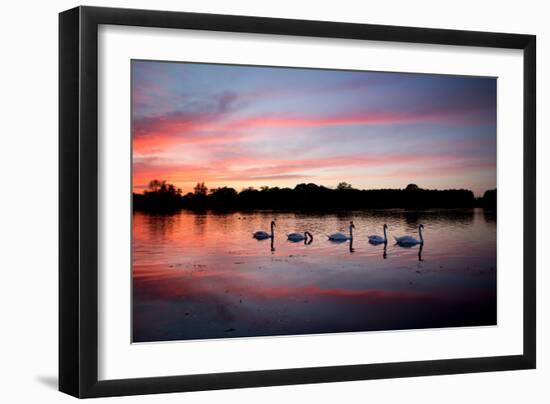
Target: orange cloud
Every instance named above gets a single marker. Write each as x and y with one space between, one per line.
249 169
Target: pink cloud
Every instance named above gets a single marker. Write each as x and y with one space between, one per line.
214 127
152 134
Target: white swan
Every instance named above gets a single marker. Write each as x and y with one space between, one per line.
407 241
260 235
343 237
299 236
379 239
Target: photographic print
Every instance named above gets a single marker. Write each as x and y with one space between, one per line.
274 201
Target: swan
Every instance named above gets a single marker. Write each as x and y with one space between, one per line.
260 235
299 236
343 237
379 239
407 241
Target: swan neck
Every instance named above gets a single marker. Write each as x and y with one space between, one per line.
272 229
350 231
420 234
385 237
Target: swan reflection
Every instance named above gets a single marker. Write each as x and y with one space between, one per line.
411 245
350 245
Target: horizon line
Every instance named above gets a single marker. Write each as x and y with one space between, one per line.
145 188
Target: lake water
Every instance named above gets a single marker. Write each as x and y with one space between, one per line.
202 275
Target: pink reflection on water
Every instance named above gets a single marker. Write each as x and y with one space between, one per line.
209 265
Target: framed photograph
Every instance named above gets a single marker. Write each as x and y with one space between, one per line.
251 201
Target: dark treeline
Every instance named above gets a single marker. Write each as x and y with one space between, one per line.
162 197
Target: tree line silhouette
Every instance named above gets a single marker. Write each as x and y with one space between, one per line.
163 197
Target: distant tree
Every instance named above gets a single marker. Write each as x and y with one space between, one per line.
306 187
489 199
155 185
165 197
224 192
200 189
159 196
222 198
171 189
343 185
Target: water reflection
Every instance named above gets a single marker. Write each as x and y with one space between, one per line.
197 275
348 242
490 215
271 242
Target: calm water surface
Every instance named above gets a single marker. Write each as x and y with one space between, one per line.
202 275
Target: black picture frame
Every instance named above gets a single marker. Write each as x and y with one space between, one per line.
78 201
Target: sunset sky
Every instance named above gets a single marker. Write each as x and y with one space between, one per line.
241 126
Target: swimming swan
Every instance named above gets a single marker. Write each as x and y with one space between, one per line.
407 241
343 237
379 239
261 235
299 236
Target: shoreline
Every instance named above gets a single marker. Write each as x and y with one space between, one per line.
310 211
